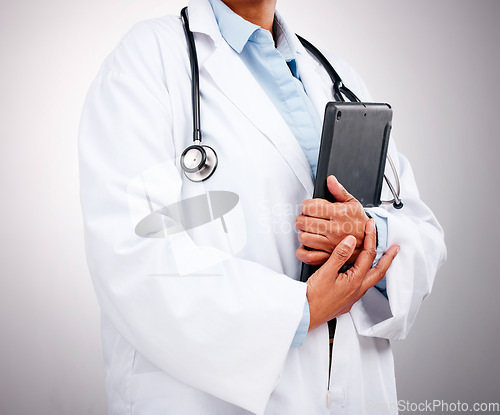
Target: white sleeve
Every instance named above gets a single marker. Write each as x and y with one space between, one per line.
227 333
411 275
414 227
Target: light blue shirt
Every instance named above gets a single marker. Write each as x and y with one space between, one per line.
276 70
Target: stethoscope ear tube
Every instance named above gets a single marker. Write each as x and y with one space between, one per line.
339 91
195 76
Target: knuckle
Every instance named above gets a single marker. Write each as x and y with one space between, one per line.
319 208
341 252
378 274
322 227
306 204
312 208
325 208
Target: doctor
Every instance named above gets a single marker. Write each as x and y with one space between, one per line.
202 310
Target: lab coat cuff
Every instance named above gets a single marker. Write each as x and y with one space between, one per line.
303 328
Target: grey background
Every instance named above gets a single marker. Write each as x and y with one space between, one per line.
435 61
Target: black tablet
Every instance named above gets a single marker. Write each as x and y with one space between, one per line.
353 148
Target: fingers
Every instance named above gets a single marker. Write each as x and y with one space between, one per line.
321 208
314 241
318 208
367 255
334 230
337 190
341 254
378 272
311 257
313 225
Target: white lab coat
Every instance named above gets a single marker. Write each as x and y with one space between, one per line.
200 321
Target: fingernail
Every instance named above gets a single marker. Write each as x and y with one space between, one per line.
350 241
398 249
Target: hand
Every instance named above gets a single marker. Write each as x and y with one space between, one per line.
331 293
322 225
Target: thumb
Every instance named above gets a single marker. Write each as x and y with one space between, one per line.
337 190
340 254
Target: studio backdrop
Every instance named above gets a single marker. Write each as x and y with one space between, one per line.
436 62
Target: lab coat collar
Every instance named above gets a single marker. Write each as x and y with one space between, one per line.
285 38
202 20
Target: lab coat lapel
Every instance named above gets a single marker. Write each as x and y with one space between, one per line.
239 86
236 82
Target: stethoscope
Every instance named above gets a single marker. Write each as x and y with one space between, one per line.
199 161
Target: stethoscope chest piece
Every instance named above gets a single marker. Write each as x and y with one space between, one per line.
198 162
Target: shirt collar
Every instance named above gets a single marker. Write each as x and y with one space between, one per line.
238 31
233 28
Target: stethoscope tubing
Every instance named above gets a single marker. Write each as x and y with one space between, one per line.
195 77
339 92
